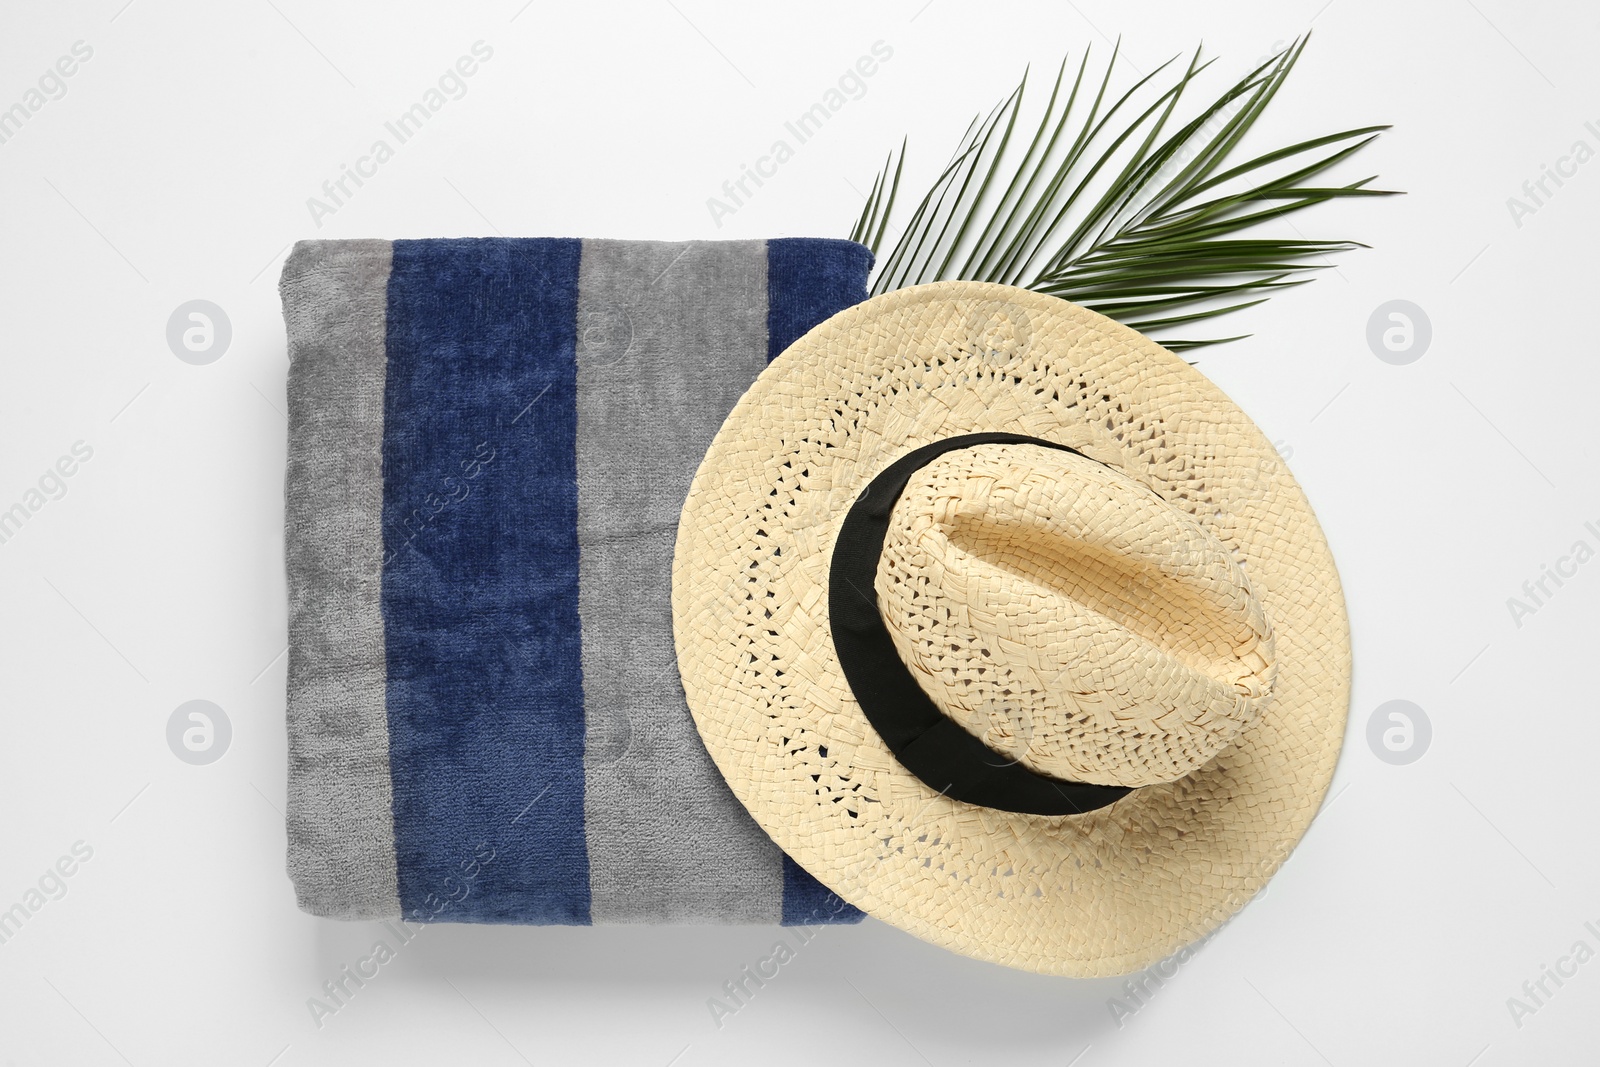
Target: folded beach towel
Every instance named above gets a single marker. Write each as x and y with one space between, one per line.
489 444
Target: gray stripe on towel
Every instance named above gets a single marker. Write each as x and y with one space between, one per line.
669 336
340 821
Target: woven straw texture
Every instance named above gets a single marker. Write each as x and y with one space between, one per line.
1168 617
1070 618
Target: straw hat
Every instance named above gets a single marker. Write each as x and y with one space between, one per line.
1011 628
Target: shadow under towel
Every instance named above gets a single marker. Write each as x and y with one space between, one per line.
489 444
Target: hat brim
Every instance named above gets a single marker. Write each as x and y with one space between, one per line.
1106 892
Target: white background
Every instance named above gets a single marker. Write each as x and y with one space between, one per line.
178 166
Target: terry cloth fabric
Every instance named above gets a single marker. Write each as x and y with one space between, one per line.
489 445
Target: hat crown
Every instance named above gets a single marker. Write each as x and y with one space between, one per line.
1069 617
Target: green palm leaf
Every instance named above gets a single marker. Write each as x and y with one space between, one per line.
1112 208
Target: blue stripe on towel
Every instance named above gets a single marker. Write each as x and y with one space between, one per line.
480 581
807 902
811 279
